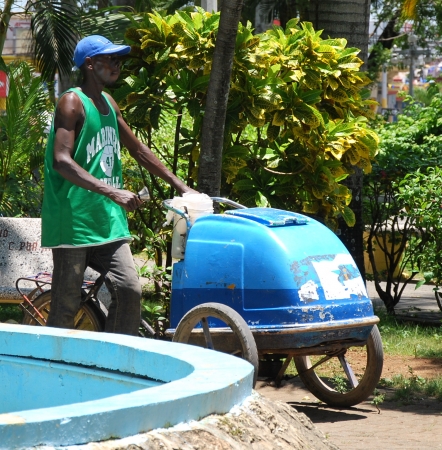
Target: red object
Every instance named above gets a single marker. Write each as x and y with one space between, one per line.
3 85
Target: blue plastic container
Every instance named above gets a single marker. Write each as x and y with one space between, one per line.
290 278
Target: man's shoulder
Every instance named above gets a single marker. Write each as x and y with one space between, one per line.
70 96
69 106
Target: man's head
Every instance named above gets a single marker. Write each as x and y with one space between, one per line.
97 45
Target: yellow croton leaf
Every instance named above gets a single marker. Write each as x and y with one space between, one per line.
353 156
349 216
365 165
259 113
318 193
333 83
195 153
310 207
231 167
278 118
272 132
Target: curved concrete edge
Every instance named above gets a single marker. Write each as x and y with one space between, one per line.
202 382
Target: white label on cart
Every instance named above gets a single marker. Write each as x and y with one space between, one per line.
340 278
309 291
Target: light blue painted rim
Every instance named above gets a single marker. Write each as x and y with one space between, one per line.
201 382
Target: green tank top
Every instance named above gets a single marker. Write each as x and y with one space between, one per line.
71 215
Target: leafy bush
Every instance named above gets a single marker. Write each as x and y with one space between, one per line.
302 95
409 146
421 193
21 142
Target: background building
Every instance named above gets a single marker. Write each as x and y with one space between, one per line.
17 46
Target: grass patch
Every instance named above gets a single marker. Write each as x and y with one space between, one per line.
406 339
418 341
408 389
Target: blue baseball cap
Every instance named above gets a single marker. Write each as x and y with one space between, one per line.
97 45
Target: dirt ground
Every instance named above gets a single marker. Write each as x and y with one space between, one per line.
416 426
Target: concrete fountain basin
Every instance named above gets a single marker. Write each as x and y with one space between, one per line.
66 387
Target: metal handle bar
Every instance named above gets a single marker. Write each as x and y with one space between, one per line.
184 214
167 205
228 202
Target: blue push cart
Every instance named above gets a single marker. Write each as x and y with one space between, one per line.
265 283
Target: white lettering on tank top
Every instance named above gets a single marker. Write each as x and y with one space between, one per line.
113 181
106 141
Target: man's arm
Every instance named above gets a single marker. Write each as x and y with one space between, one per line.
144 155
69 117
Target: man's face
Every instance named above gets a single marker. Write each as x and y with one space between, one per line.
107 67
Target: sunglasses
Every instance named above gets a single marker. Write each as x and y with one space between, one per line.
111 60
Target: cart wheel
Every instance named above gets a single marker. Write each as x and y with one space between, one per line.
438 296
239 343
87 318
331 379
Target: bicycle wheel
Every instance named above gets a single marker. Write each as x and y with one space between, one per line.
88 317
238 341
331 379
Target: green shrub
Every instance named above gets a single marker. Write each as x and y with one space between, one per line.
303 95
421 193
409 146
22 127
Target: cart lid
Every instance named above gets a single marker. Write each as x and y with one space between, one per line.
270 217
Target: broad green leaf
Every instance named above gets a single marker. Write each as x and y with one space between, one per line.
244 184
201 83
278 118
272 132
350 65
324 48
237 151
349 216
261 200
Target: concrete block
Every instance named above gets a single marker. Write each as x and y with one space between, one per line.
21 255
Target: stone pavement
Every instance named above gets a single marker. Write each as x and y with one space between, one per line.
414 426
416 305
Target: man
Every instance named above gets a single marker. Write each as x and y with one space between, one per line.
84 206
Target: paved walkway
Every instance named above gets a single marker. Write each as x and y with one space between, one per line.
414 426
417 305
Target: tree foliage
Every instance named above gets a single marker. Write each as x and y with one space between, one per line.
422 17
54 27
21 146
409 146
296 118
421 193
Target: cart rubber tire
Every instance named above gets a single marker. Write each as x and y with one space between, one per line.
231 318
366 386
438 296
87 318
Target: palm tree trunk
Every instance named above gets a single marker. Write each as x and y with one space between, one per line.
347 19
212 139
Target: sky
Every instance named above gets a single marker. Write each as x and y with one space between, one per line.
18 5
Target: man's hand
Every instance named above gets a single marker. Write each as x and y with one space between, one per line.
128 200
188 190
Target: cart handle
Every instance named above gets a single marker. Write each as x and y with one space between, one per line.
167 205
228 202
185 215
